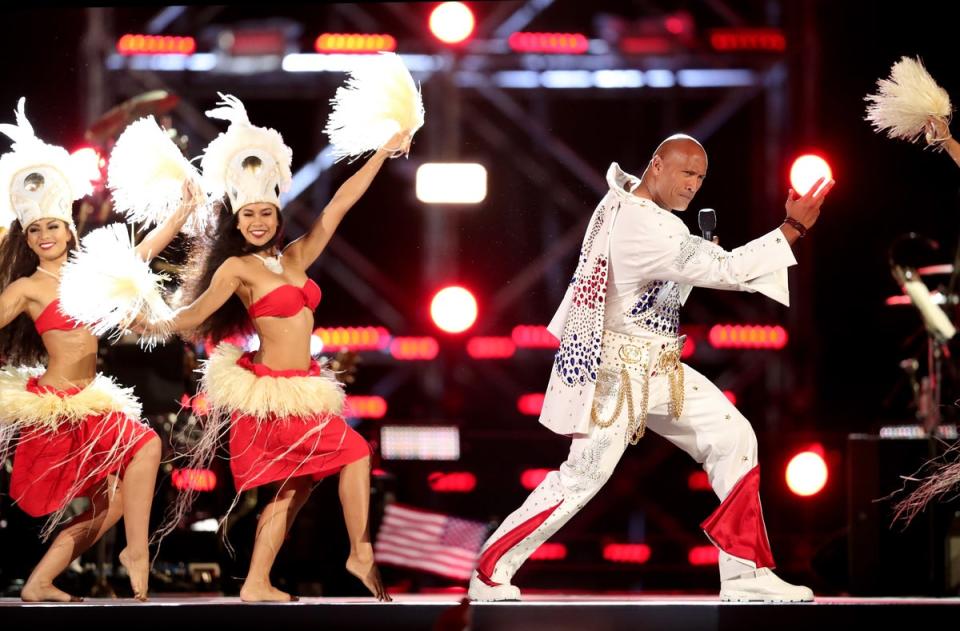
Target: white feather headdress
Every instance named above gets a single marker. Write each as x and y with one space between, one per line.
37 180
906 100
146 175
105 284
248 164
378 99
6 218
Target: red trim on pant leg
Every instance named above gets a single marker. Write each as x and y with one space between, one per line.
737 527
488 560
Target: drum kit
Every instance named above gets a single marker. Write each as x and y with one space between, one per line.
938 308
108 127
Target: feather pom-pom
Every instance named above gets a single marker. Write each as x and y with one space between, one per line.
906 100
105 285
146 175
378 99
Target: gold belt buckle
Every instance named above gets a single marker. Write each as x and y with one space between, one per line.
670 358
630 354
668 361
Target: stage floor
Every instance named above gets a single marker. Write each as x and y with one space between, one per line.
447 612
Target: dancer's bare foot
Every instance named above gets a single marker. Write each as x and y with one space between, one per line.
138 569
264 592
360 563
36 591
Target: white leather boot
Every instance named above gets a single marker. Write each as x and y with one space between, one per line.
763 585
480 591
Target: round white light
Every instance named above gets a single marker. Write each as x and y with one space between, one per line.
807 473
452 22
453 309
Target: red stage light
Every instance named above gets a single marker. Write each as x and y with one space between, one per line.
562 43
550 552
674 25
200 405
254 41
807 471
452 22
703 555
730 396
452 482
491 347
806 170
132 44
534 336
353 338
646 45
365 406
530 404
531 478
414 348
748 336
193 479
689 347
699 481
627 552
453 309
196 403
756 39
354 43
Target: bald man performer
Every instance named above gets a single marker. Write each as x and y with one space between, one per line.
618 370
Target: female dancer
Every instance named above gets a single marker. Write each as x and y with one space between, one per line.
76 433
281 408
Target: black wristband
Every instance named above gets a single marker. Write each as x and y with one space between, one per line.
796 225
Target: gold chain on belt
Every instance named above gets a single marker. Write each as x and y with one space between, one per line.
638 424
667 363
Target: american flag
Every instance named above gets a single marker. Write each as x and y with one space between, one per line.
431 542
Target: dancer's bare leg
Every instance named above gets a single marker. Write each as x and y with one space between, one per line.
139 485
355 498
272 528
72 541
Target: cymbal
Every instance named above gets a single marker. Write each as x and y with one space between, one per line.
117 118
933 270
937 297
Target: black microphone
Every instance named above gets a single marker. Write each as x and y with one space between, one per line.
707 219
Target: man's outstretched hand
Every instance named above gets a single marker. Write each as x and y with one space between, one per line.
806 208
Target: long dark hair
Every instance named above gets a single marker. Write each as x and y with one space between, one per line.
207 254
19 341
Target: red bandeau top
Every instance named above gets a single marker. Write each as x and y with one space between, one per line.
286 301
51 319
